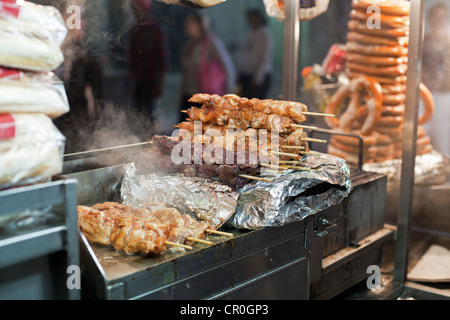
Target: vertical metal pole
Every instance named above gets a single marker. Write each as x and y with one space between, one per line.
291 48
416 37
73 245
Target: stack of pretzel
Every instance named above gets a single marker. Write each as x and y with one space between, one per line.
360 119
378 47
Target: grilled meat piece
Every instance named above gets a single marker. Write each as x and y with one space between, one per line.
242 119
137 230
95 225
228 174
132 236
291 109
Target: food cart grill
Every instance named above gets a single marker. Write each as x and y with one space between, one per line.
268 263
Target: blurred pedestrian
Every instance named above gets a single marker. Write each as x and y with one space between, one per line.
256 61
207 66
147 59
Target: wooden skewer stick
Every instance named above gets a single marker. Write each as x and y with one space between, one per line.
184 111
319 114
315 140
178 245
255 178
297 168
271 166
220 233
288 162
309 153
273 171
303 127
293 147
210 243
296 156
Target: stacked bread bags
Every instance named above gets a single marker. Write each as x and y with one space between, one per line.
31 96
381 52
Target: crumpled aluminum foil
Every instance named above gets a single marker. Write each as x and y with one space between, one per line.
430 169
207 200
294 195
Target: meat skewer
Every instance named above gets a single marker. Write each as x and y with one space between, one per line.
103 228
296 138
190 126
139 230
242 119
241 150
173 217
161 160
294 110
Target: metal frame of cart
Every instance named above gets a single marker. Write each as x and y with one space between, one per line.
34 262
292 40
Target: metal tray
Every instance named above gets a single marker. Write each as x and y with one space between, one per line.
271 263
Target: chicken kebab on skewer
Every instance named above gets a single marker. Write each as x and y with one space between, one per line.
242 119
294 110
297 137
143 230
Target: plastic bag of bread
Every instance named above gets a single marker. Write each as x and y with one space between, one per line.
30 36
193 3
31 92
309 9
31 149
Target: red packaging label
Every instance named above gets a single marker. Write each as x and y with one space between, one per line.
9 8
335 60
7 126
10 73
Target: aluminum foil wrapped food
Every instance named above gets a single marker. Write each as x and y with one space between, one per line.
431 169
294 195
209 201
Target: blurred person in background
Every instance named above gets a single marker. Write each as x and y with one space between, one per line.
207 66
436 74
82 75
256 61
147 59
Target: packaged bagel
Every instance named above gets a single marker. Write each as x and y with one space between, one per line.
31 149
30 36
31 92
309 9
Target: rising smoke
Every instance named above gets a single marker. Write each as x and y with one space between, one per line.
110 120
